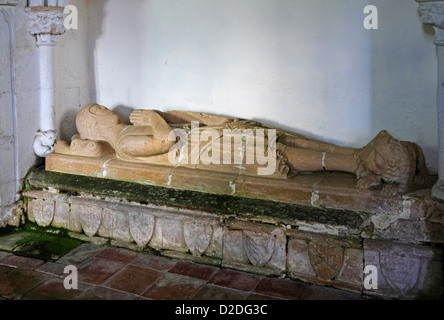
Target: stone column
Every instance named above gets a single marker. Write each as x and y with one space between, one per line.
46 23
432 13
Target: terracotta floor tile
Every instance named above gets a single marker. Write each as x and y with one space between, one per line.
100 293
217 293
260 297
194 270
235 280
4 255
98 271
4 269
281 288
174 287
153 262
325 293
54 289
133 279
22 262
80 255
119 255
18 282
52 268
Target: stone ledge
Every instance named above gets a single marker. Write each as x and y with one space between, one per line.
329 189
412 218
405 270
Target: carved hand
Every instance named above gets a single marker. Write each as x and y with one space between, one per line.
143 117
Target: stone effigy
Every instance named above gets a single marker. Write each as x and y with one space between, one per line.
321 227
159 138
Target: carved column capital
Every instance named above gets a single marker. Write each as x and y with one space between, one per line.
432 12
45 24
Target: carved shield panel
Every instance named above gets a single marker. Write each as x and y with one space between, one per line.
401 273
197 237
326 259
43 212
90 219
141 227
259 247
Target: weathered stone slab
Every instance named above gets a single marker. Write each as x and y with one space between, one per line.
254 246
169 235
323 259
141 227
61 215
335 190
90 218
413 231
403 270
41 211
318 245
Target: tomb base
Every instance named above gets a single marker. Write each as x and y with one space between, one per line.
329 239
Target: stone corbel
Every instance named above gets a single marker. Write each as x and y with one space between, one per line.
432 13
46 23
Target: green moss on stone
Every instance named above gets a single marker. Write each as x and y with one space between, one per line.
48 244
47 247
281 212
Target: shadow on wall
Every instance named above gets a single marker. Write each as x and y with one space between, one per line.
95 11
403 88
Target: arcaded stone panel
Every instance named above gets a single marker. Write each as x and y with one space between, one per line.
255 247
196 234
409 271
168 234
325 260
62 215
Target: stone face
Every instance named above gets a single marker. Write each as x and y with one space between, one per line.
407 270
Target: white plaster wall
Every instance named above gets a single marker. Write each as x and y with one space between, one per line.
74 72
26 80
305 65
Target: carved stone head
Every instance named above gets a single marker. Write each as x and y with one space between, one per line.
93 120
390 159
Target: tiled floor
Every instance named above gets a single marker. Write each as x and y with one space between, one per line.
106 273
